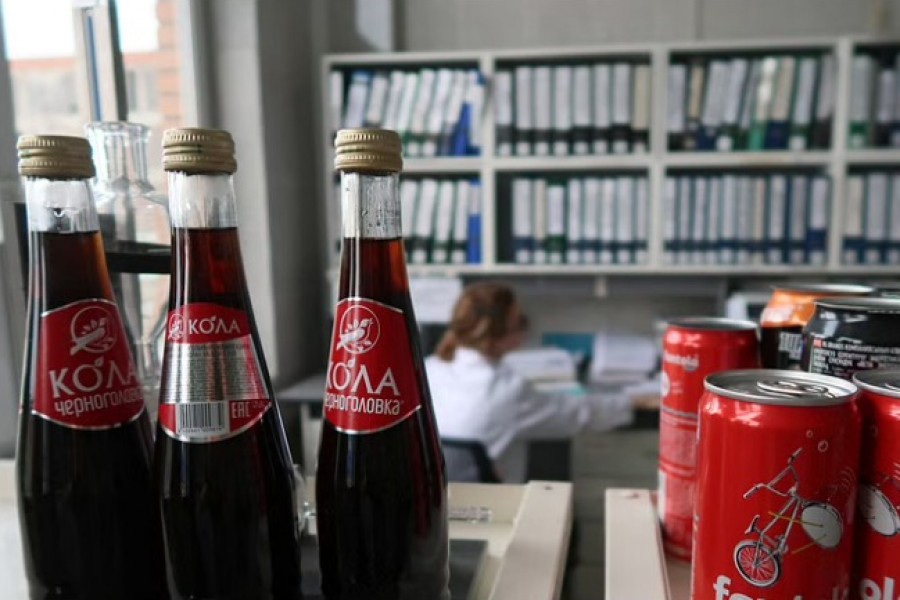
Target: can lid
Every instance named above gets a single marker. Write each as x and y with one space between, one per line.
885 382
867 305
55 157
781 387
198 151
829 289
368 150
712 324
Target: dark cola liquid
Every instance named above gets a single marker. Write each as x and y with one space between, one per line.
86 510
381 498
228 510
781 347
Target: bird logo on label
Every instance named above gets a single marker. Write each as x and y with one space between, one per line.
359 330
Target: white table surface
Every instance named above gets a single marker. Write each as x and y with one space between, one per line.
528 538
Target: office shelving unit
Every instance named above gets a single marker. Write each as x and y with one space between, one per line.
834 161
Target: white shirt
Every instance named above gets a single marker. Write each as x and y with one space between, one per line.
476 399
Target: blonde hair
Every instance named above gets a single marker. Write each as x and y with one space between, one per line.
482 316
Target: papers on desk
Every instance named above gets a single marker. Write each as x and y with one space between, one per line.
543 364
622 358
433 298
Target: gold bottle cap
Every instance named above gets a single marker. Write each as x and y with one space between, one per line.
196 150
369 150
55 157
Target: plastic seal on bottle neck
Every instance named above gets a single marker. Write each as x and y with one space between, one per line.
195 150
55 157
368 150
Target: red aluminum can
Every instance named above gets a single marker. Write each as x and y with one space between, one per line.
877 554
692 349
776 492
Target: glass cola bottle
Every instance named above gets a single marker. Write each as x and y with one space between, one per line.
381 490
223 470
89 525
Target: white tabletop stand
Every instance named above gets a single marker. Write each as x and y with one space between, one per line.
527 536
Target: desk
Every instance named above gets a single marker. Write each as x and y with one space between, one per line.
527 537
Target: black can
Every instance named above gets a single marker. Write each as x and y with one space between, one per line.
852 334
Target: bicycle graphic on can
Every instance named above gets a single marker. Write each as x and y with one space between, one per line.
877 509
759 559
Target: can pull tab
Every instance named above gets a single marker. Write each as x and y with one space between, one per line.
792 389
891 386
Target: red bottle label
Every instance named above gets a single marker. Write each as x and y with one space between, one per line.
370 384
214 387
85 374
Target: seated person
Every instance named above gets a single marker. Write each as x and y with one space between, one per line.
476 397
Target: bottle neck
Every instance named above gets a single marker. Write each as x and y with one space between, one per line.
60 205
202 201
370 204
119 150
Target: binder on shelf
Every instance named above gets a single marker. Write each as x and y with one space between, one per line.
608 242
696 83
748 105
642 220
625 206
424 223
778 128
409 193
469 137
395 95
443 222
556 222
713 105
640 112
435 119
684 233
473 247
574 221
895 121
817 233
581 110
776 210
562 109
335 100
798 201
378 91
875 235
698 221
853 220
590 249
524 115
452 116
759 237
670 219
601 135
357 97
734 93
405 109
893 251
460 234
763 104
746 219
884 108
503 112
539 214
713 221
861 83
419 120
801 115
676 82
621 108
523 205
728 243
825 93
543 109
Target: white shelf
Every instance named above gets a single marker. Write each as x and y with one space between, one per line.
572 163
447 164
873 156
751 159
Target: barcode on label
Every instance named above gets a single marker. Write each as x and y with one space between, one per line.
202 417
